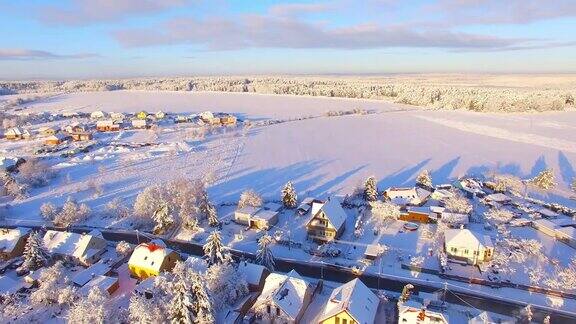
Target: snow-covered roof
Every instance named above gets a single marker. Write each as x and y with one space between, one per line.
98 269
252 272
491 318
547 212
265 214
7 163
466 238
413 308
9 285
498 197
10 237
150 255
437 209
272 206
102 282
14 131
565 221
544 223
567 232
411 195
355 298
455 218
57 137
333 211
248 210
71 244
288 292
107 122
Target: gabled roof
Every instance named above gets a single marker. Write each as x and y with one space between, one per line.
355 298
333 211
10 237
491 318
70 244
150 255
466 238
288 292
252 272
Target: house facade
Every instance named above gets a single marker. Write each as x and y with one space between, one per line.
107 126
284 299
152 258
328 221
350 303
465 245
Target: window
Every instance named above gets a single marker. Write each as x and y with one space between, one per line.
344 321
466 251
145 258
337 320
152 263
277 311
454 249
268 309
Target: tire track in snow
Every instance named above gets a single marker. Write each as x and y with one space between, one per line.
501 133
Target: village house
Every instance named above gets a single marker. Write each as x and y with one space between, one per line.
81 136
468 246
350 303
305 206
328 221
255 217
12 242
418 215
74 128
498 198
84 249
412 311
142 115
104 283
414 196
228 119
48 131
56 139
107 126
152 258
16 133
284 299
160 115
491 318
80 278
454 220
255 275
117 118
98 114
140 123
566 234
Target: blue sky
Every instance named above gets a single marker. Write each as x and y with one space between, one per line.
134 38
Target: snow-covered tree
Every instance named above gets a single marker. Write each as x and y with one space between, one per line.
71 213
163 219
190 222
212 215
289 196
527 313
499 215
52 282
35 256
264 254
146 311
249 198
384 210
225 284
508 182
370 190
213 249
91 309
406 292
48 211
457 204
202 305
181 311
545 180
123 248
424 179
117 209
35 173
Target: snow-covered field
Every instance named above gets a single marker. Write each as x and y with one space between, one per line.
322 156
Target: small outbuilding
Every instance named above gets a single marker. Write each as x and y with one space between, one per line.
12 242
256 217
16 133
56 139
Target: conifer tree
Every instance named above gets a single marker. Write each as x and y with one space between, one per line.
202 305
212 215
424 179
163 219
545 180
264 254
181 304
370 191
289 196
35 256
213 248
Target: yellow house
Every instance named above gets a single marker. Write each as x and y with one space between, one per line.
142 115
152 258
350 303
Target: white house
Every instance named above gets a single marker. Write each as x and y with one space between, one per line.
351 302
567 235
328 220
139 123
407 196
256 217
465 245
284 299
85 249
414 312
98 114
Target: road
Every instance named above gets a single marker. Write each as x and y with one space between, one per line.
455 294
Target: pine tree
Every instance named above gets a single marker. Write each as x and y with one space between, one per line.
213 248
202 305
181 304
163 219
370 191
545 180
406 292
424 179
212 215
289 197
35 256
264 254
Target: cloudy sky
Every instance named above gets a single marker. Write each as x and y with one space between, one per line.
125 38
